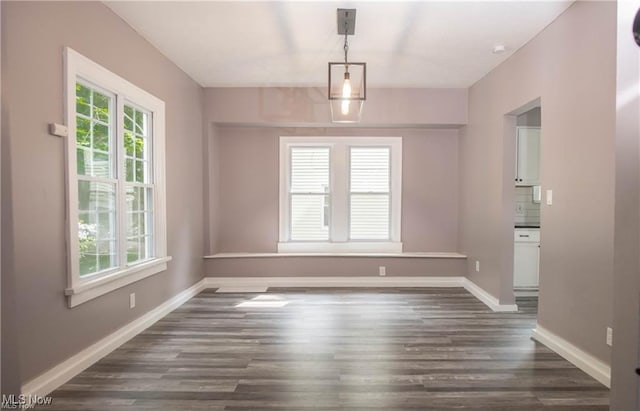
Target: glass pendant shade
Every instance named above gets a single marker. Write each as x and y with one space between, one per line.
347 91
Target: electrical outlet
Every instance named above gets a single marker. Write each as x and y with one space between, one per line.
477 266
519 209
382 270
132 300
549 197
609 336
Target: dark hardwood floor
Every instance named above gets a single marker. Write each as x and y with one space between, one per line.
335 349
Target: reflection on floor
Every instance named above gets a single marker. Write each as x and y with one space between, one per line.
335 349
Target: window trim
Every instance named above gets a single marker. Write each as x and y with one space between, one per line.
340 195
77 66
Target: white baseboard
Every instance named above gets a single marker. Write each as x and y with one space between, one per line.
258 283
329 282
491 301
576 356
63 372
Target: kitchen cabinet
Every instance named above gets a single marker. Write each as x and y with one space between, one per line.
527 156
526 258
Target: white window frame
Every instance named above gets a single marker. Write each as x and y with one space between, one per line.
81 289
340 196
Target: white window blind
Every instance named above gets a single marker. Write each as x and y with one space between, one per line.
309 193
370 193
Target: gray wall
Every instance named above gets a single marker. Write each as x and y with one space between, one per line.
243 146
307 106
332 266
33 37
248 159
626 282
571 66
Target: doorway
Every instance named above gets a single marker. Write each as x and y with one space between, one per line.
526 205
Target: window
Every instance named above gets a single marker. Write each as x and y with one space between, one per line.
309 193
115 181
340 194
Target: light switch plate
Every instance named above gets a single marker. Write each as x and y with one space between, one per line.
609 336
549 197
132 300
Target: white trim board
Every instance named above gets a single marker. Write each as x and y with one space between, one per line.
491 301
576 356
363 281
435 255
63 372
329 282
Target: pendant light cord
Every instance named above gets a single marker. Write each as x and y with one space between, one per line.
346 45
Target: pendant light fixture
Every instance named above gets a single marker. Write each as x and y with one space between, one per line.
347 80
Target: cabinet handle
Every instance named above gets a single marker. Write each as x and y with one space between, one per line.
523 235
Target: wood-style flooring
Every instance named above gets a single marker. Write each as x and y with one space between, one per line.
335 349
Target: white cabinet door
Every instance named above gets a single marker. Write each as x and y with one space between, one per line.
528 156
526 265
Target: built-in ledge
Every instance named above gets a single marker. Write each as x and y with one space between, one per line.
449 255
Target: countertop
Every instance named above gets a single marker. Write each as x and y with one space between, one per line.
528 226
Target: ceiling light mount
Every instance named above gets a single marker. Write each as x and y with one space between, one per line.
347 22
347 80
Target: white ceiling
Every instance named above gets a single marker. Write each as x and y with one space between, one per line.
288 43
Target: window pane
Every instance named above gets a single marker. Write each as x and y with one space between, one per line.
83 157
83 132
100 137
370 169
97 226
137 145
140 172
94 132
369 217
101 165
369 173
140 147
130 170
141 123
128 118
96 196
133 249
147 246
106 226
139 223
106 253
129 143
83 100
309 169
308 219
101 107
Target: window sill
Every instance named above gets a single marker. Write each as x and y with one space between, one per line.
91 289
342 247
427 255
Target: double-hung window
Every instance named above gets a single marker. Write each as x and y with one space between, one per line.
115 180
340 194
